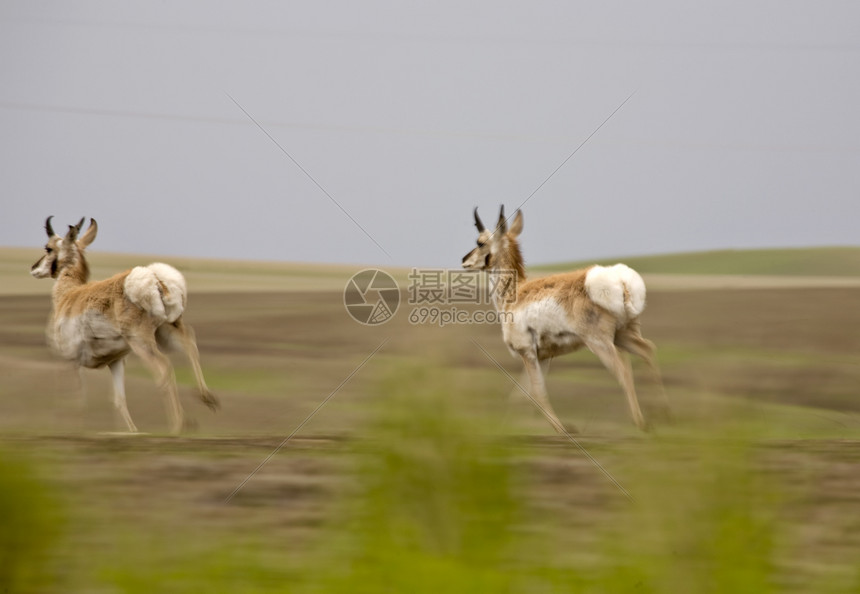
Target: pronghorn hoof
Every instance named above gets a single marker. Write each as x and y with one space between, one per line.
661 413
565 429
665 415
210 400
571 429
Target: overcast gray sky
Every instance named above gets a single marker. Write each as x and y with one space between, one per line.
387 122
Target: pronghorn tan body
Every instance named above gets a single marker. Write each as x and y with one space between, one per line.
596 307
94 324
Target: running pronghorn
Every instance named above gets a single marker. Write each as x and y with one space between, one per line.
597 307
98 323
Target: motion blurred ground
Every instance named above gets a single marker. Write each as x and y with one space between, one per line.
771 361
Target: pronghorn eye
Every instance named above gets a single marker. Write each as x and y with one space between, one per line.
480 243
49 250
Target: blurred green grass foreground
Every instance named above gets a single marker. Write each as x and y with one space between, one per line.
420 475
436 501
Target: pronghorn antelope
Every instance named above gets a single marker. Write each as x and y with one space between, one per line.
597 307
98 323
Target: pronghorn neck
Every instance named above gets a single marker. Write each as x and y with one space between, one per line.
74 274
508 259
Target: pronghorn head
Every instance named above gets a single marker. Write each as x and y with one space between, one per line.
494 245
61 252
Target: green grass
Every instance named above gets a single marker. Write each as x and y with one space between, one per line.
440 507
30 525
248 381
714 529
825 261
435 501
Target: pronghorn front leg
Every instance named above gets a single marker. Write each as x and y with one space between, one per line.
537 390
517 394
81 396
117 371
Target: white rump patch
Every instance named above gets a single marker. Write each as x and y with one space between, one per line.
158 289
618 289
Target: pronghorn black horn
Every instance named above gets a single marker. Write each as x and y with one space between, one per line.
503 223
81 223
478 222
48 228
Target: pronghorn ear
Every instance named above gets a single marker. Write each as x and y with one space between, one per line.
517 225
502 227
88 237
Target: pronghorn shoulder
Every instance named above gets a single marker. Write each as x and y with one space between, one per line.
93 295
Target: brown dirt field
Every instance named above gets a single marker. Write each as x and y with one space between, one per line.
793 346
788 360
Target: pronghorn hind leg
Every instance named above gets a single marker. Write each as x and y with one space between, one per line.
117 371
631 340
183 334
620 368
160 366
